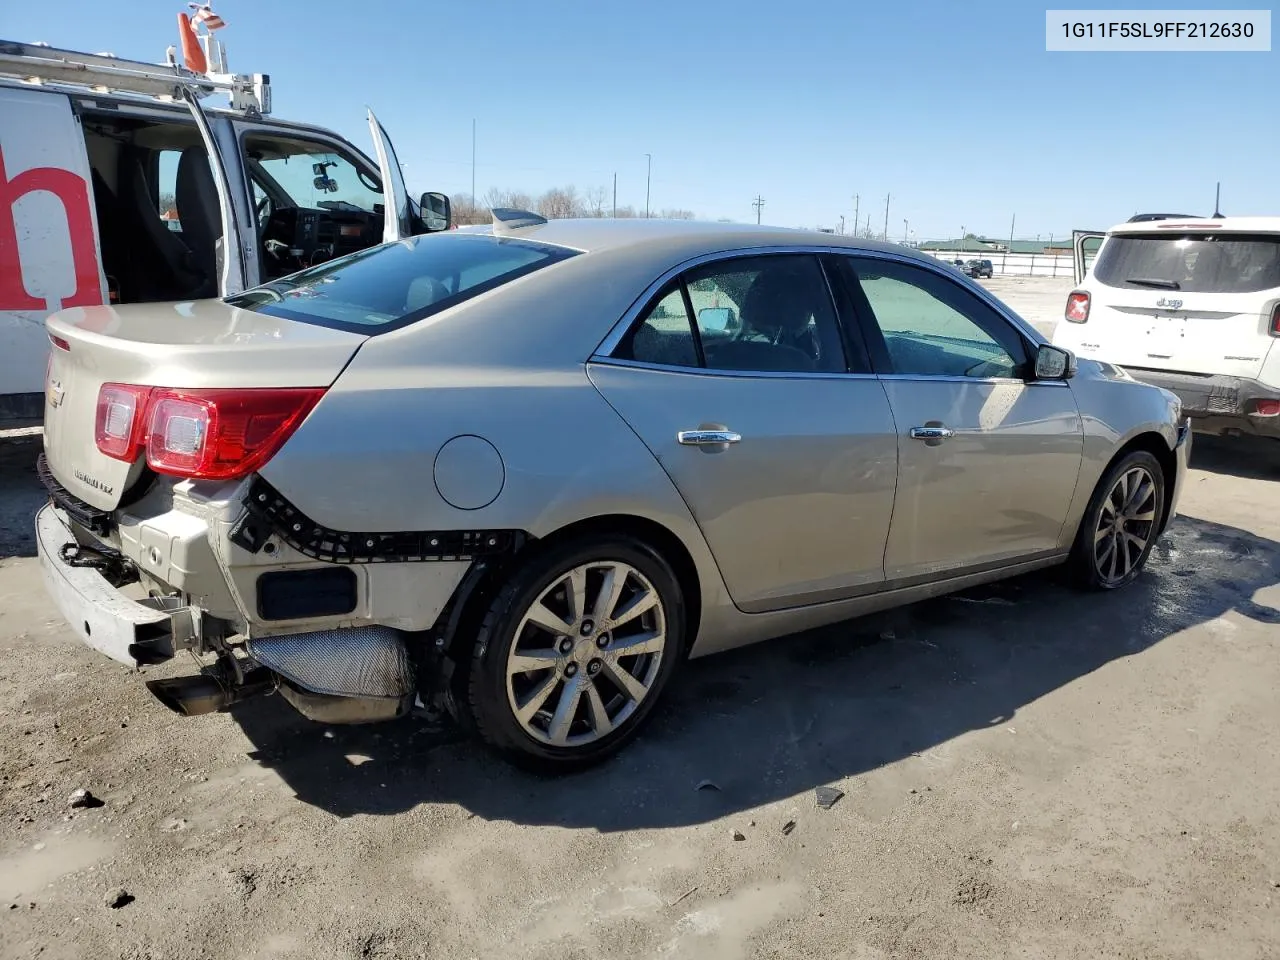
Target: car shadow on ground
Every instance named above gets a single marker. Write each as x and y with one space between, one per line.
1251 458
781 718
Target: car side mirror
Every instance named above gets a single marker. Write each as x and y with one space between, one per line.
1054 363
437 213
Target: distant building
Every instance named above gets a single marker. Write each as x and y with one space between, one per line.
976 245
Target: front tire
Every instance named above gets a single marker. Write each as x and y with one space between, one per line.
575 651
1121 523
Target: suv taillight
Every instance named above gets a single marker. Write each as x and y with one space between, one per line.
1275 321
118 425
1077 307
200 434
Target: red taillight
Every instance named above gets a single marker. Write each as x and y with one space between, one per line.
222 434
1275 321
59 342
118 426
1266 408
1077 307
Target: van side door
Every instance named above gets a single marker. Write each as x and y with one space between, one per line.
230 229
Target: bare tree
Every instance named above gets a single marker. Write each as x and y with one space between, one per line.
558 203
511 199
465 209
594 200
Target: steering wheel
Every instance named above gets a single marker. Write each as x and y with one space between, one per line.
263 210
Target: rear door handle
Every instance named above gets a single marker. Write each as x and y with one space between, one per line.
707 438
936 433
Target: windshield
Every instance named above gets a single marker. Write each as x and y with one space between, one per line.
312 175
1195 263
386 287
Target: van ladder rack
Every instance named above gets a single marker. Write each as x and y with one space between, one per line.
37 64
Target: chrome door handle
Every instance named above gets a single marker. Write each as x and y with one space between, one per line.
932 433
707 438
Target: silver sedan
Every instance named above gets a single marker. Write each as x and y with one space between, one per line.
521 473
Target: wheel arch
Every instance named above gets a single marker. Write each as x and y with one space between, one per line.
1155 444
459 623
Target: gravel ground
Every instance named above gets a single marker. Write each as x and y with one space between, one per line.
1026 772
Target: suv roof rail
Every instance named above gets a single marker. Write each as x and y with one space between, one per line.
39 64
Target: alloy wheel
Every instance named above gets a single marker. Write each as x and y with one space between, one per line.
586 654
1125 525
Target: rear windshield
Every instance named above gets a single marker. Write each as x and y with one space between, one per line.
1193 262
395 284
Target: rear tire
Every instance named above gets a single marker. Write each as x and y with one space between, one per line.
575 652
1121 523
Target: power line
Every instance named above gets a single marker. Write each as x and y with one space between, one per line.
758 203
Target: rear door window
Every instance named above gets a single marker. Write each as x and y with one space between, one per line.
1190 262
389 286
767 314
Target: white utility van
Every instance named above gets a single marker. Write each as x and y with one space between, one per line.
1191 305
117 185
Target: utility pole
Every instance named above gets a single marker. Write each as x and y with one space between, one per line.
473 161
648 175
758 203
905 225
842 224
886 217
855 214
963 246
1010 247
615 195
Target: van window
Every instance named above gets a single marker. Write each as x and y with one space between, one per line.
168 188
1194 263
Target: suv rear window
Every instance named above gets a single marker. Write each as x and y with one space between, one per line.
390 286
1193 262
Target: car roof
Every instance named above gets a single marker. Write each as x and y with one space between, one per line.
1197 224
692 237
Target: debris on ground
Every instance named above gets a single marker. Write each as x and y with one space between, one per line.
684 896
788 827
827 796
119 897
83 799
737 835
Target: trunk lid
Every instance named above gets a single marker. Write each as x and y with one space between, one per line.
196 344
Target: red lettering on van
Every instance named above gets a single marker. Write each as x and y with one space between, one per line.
74 194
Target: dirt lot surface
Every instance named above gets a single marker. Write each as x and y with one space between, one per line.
1027 772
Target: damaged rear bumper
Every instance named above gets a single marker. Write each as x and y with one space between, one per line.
341 675
129 631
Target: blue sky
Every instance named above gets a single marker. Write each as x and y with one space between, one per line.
955 109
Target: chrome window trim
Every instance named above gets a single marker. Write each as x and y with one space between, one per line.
619 330
738 374
811 375
987 380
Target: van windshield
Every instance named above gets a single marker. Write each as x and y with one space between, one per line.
1191 262
395 284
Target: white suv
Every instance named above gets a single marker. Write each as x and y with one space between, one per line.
1189 305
